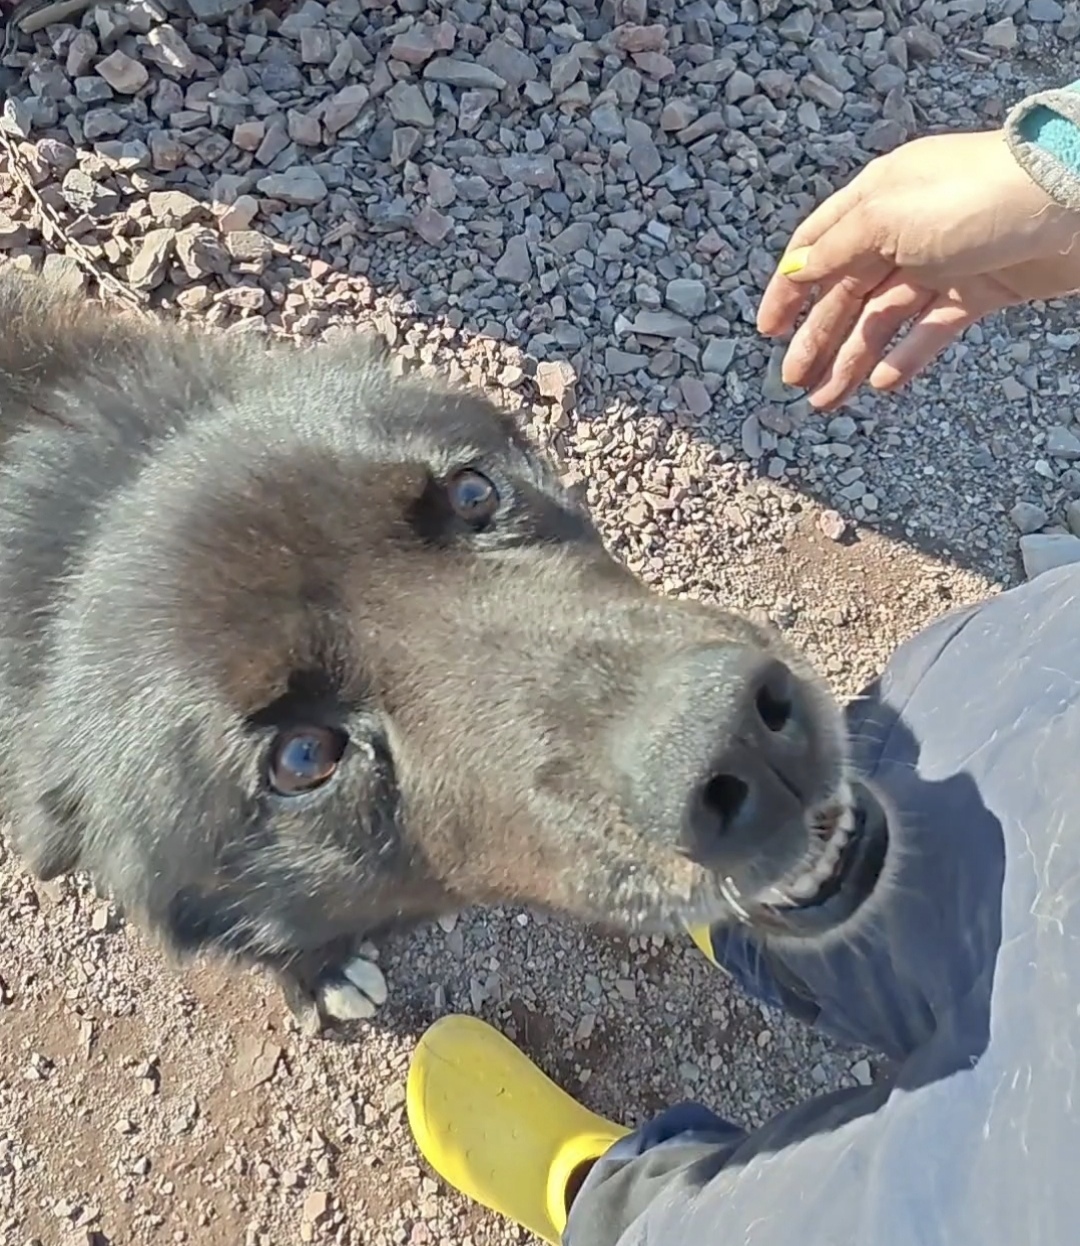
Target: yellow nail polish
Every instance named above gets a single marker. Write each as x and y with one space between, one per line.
794 261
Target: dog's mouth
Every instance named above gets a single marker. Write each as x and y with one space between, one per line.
843 863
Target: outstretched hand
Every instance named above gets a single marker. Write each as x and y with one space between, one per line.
933 236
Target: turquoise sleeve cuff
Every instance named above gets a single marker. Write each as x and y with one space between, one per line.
1055 134
1043 133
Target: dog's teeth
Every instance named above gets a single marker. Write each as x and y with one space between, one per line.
345 1002
368 978
731 894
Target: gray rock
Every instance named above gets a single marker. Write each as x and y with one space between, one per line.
472 106
750 436
842 428
798 26
123 73
645 159
1045 551
18 117
710 123
102 123
300 186
13 234
861 1072
214 10
317 46
80 54
739 86
718 354
174 208
830 67
623 362
822 92
677 114
1002 35
665 324
695 396
304 128
1072 516
574 237
63 270
531 170
415 46
151 261
406 142
169 49
467 74
343 108
431 225
408 106
83 194
686 296
1045 11
1028 518
516 265
884 135
511 64
1062 443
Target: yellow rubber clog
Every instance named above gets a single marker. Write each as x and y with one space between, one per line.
496 1128
702 936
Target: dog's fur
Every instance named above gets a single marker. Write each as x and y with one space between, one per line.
204 541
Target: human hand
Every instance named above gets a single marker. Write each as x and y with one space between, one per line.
936 234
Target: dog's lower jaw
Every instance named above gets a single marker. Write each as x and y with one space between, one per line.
836 888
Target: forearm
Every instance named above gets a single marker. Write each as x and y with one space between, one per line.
1043 133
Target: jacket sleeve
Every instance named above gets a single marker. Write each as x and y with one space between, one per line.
1043 133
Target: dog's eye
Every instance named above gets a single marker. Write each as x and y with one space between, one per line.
304 759
473 497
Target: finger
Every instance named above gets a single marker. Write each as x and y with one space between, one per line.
883 315
784 299
827 325
852 254
941 323
781 305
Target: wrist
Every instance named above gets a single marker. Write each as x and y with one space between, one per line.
1043 134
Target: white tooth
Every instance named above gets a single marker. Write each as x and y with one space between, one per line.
731 894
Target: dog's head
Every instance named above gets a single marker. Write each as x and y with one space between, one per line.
347 653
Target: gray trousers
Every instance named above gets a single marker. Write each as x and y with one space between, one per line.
968 978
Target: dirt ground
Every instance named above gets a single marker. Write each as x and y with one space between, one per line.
575 209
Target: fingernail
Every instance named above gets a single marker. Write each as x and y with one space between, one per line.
794 261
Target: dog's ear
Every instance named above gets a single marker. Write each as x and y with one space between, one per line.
49 330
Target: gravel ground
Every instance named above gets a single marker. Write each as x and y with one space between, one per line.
575 206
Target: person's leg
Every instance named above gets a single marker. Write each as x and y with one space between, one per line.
972 734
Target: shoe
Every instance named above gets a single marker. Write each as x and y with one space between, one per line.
702 936
496 1128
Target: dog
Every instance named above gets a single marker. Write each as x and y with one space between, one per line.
296 650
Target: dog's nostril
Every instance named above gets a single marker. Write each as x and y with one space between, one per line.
724 797
774 701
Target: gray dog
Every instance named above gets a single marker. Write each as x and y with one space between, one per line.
294 651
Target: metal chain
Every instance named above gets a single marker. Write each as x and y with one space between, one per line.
58 237
52 227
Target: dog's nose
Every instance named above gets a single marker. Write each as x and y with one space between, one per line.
728 749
